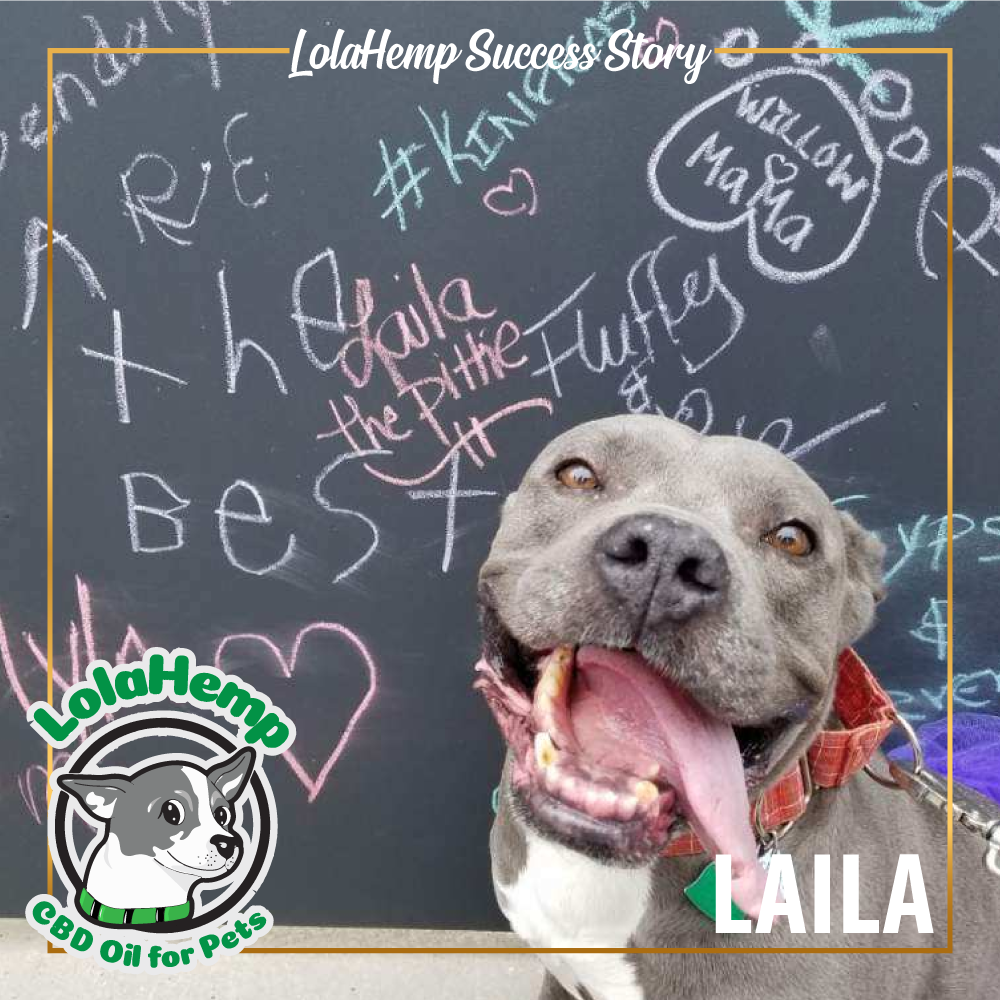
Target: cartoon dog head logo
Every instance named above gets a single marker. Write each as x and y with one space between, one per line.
164 828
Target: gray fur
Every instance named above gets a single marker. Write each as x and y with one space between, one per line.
771 648
136 812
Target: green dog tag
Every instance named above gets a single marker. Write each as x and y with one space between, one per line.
701 893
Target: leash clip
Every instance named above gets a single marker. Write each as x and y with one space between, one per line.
923 785
992 856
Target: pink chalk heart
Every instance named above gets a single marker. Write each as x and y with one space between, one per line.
33 783
661 23
517 197
313 784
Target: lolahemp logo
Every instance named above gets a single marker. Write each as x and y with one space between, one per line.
179 842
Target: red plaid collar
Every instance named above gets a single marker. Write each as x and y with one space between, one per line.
835 756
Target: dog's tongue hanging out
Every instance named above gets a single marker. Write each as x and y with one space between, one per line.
623 715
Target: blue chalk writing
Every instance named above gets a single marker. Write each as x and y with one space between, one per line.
395 166
817 23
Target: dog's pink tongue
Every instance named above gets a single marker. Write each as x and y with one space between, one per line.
623 712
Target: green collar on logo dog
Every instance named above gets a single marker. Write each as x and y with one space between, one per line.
142 915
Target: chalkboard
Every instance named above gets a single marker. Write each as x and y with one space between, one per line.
254 480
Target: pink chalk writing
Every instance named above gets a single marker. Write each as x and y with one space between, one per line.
518 196
409 346
313 785
656 37
132 646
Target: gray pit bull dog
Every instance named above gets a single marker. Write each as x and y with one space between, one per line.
663 614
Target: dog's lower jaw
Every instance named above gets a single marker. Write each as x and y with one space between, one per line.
134 881
557 897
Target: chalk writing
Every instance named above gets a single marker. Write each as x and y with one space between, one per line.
322 499
234 349
260 516
399 186
133 645
134 509
451 496
492 129
110 69
933 628
818 27
972 691
698 299
307 324
386 347
632 349
35 247
988 224
836 161
140 205
241 164
509 199
887 94
920 544
738 38
313 784
120 363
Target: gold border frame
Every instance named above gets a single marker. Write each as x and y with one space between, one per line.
949 52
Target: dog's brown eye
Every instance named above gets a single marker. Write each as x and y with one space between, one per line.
577 476
172 812
791 537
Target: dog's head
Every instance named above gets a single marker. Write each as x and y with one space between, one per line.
178 814
660 610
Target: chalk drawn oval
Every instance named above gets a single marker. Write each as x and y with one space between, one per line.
782 169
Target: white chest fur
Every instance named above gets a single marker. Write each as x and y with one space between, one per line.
562 899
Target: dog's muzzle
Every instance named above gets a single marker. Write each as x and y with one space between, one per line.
661 569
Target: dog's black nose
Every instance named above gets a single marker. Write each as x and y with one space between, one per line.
224 845
662 568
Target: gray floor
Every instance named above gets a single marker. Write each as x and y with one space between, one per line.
27 972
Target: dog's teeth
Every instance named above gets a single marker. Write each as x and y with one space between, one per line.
552 682
627 806
605 804
569 789
645 792
553 778
545 750
562 657
555 671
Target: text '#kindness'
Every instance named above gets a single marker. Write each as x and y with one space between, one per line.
626 50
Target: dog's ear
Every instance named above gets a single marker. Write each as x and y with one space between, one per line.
231 776
865 586
97 793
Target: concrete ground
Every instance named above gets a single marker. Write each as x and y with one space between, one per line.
27 972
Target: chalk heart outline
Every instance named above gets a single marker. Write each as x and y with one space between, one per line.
867 141
661 23
495 198
34 797
313 785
